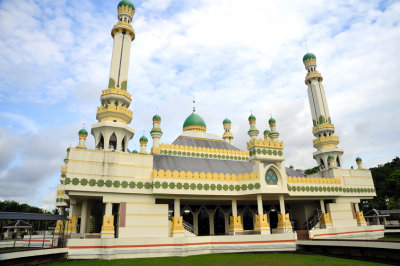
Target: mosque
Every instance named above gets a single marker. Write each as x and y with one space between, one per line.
202 194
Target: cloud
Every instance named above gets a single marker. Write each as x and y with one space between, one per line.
233 57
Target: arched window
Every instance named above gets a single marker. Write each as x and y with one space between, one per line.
271 177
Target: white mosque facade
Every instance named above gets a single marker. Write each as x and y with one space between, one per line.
201 194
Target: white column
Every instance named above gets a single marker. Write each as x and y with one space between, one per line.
357 207
234 208
62 210
177 208
260 205
321 201
226 215
211 220
71 209
196 223
282 204
108 210
84 216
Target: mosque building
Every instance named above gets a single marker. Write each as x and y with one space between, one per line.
201 193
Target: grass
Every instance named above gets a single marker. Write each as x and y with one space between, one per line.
229 260
390 238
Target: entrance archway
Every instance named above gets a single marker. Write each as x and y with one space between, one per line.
273 217
219 222
204 222
248 220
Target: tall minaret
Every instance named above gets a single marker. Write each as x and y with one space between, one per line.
156 131
228 137
112 132
325 142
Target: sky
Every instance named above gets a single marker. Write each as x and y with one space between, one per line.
234 57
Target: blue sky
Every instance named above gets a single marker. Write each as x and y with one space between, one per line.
233 56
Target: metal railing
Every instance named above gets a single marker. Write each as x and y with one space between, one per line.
314 220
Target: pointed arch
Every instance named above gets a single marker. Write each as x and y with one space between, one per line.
113 142
100 144
272 175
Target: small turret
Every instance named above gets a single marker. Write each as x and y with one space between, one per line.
359 163
228 137
272 124
266 134
331 161
253 131
82 138
156 131
143 144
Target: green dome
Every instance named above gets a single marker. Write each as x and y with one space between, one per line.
266 132
271 120
68 149
226 121
330 156
134 151
291 167
308 56
156 117
358 159
126 3
252 117
83 132
143 138
194 120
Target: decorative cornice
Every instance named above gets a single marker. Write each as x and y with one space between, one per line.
113 110
276 144
195 149
313 180
204 176
326 142
116 91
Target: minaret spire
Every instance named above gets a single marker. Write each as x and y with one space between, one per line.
328 155
112 130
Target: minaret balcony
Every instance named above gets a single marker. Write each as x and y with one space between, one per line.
313 75
123 26
323 128
115 91
326 142
118 111
275 144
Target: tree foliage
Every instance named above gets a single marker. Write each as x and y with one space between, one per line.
387 184
13 206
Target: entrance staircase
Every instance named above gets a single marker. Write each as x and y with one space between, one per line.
314 221
189 229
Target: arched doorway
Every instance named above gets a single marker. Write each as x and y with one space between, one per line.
273 217
219 222
204 222
248 220
100 146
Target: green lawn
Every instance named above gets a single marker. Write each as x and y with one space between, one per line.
230 260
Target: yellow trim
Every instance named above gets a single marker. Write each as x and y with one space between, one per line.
113 110
154 215
322 126
102 163
126 9
204 176
64 169
310 61
195 128
182 148
116 91
276 144
326 142
313 180
235 223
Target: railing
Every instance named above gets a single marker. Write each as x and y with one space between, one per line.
188 227
314 220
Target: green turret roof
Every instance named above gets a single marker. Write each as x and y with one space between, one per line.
126 3
308 56
156 117
194 120
252 117
226 121
330 156
271 120
143 138
266 131
134 151
358 159
83 132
